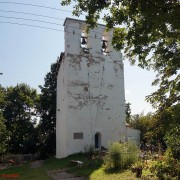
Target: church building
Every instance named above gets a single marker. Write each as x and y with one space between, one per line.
90 90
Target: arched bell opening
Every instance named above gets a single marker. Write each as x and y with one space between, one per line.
104 43
84 41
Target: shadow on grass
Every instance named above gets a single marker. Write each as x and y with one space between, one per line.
113 170
88 168
89 165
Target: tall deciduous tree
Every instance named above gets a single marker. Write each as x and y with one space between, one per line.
19 114
149 32
47 125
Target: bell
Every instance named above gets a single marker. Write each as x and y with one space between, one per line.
83 41
104 46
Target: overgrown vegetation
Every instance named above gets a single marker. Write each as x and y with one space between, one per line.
168 168
172 139
121 155
89 151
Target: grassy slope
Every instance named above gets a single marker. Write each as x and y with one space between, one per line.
91 168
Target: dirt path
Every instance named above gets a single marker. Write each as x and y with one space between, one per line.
62 174
57 174
36 164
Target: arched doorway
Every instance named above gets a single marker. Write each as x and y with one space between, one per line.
97 141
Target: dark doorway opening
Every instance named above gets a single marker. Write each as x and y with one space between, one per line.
98 140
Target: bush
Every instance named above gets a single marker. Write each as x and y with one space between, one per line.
173 141
169 168
89 151
121 155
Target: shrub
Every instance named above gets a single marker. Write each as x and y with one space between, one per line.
159 168
173 141
121 155
169 168
89 151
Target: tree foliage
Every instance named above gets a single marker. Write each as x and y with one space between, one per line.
2 97
155 127
166 121
149 33
145 123
173 141
3 135
47 125
20 109
128 112
19 114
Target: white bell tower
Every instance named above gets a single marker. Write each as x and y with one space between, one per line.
90 90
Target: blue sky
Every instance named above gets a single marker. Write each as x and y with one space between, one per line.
26 53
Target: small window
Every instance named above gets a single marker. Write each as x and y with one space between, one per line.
78 135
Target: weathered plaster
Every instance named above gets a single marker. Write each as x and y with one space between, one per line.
90 91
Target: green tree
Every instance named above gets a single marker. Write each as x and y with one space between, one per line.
128 112
47 125
2 97
145 123
166 120
3 130
156 126
149 32
19 113
3 135
172 139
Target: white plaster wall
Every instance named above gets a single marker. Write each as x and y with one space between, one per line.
133 135
61 112
90 92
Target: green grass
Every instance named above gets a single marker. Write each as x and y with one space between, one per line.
25 172
101 174
93 169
